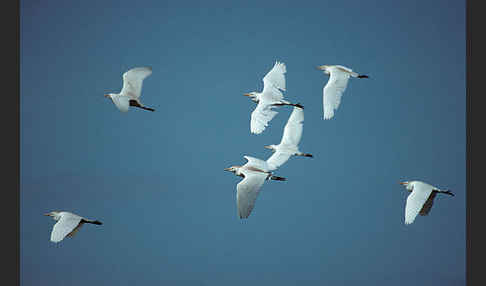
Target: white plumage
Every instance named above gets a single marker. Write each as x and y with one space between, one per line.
420 199
131 90
67 224
270 97
247 191
290 140
335 87
255 172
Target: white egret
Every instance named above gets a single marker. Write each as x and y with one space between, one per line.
421 199
270 97
67 224
290 140
255 172
336 85
131 90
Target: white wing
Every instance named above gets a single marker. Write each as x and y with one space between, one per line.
277 159
65 225
416 200
260 117
333 90
276 76
133 79
290 139
247 191
121 102
273 82
257 163
294 128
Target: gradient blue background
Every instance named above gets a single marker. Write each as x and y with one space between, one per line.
156 180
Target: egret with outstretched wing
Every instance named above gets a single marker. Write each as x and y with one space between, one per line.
335 87
289 144
131 90
255 172
420 199
270 97
67 224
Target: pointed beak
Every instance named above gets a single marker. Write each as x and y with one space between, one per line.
320 68
227 169
402 183
106 95
268 147
47 214
247 94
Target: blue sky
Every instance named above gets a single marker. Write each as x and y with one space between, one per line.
156 180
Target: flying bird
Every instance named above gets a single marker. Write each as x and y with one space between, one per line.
290 140
270 97
336 85
67 224
420 199
255 172
131 90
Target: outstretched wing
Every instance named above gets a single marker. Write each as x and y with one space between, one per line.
273 82
75 230
277 159
133 79
247 191
64 226
294 128
276 76
260 117
416 200
333 91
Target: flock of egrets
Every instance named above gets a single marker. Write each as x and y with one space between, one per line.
256 171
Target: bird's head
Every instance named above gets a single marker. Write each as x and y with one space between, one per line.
53 214
408 185
271 147
324 68
232 169
252 95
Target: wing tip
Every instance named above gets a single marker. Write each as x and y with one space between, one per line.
328 114
409 221
281 65
55 240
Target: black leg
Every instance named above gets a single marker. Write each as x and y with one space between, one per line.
147 108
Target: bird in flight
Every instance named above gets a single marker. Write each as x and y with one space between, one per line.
420 199
255 172
67 224
335 87
131 90
270 97
290 140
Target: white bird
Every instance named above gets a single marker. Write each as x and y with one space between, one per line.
290 140
421 199
131 90
270 97
67 224
336 85
255 172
